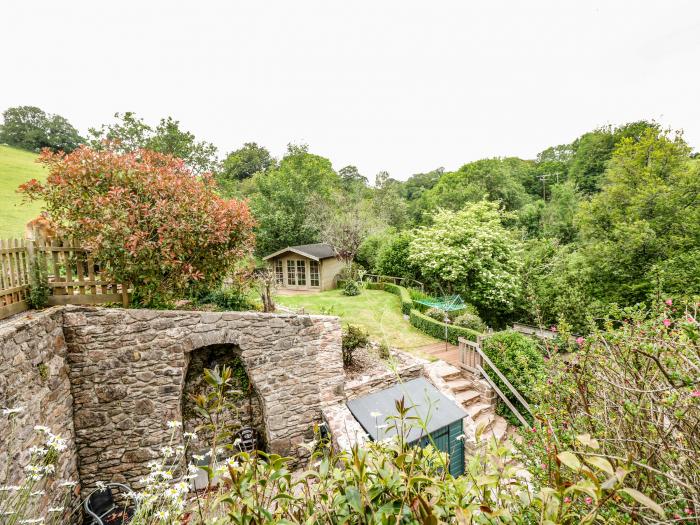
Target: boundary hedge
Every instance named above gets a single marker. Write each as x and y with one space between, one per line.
424 323
436 329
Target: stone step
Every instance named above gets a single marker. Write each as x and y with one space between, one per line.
459 385
484 420
451 374
496 427
476 410
468 397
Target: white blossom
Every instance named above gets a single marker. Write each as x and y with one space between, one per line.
11 411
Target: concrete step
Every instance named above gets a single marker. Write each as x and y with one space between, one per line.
468 397
476 410
459 385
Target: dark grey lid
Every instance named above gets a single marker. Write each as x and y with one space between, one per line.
425 401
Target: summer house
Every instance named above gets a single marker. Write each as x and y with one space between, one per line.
305 267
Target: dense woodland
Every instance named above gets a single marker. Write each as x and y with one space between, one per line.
611 219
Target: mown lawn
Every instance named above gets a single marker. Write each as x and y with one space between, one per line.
16 167
377 312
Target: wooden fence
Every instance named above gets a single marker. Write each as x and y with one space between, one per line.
69 271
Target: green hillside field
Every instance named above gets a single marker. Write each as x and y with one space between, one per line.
16 167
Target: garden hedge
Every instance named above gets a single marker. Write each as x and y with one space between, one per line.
406 301
437 329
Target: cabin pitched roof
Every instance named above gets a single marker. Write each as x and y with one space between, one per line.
317 251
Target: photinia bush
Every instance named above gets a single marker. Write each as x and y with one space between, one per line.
146 217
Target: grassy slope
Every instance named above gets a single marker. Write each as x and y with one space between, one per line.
16 166
377 312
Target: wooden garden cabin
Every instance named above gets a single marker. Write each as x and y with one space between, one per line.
311 267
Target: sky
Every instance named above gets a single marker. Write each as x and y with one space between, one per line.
401 86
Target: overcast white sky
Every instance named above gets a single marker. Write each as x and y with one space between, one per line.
401 86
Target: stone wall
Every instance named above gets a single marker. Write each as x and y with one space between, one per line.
34 380
128 368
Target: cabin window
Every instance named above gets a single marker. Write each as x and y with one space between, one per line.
291 273
313 273
279 272
301 273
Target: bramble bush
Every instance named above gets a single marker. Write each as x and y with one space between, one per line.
633 387
146 218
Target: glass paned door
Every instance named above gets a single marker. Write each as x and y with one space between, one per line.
301 273
314 278
279 272
291 273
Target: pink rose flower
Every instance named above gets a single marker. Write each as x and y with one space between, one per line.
695 393
669 302
667 323
580 340
588 500
567 499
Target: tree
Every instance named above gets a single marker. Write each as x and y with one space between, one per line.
648 210
130 133
245 162
350 176
288 198
146 218
30 128
498 180
387 202
393 257
470 252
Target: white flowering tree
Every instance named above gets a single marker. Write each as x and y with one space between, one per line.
472 253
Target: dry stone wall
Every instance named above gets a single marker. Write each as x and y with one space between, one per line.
128 369
35 390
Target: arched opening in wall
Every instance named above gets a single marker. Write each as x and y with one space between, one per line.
237 417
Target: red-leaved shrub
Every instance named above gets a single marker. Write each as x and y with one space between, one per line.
146 217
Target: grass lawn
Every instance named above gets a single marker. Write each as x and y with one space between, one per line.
17 166
377 312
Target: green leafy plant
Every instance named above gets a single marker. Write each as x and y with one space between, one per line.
351 288
471 321
353 338
384 350
39 290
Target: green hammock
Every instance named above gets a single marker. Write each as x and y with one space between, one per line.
446 304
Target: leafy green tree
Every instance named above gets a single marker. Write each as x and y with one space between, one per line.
470 252
648 210
130 133
350 176
593 150
30 128
368 253
388 204
498 180
393 257
288 198
245 162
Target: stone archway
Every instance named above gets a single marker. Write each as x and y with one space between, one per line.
128 369
243 405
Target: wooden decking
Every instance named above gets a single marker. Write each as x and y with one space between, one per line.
437 350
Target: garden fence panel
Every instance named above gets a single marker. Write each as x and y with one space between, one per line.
71 273
14 277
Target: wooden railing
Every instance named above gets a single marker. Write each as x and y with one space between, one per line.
472 358
69 271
